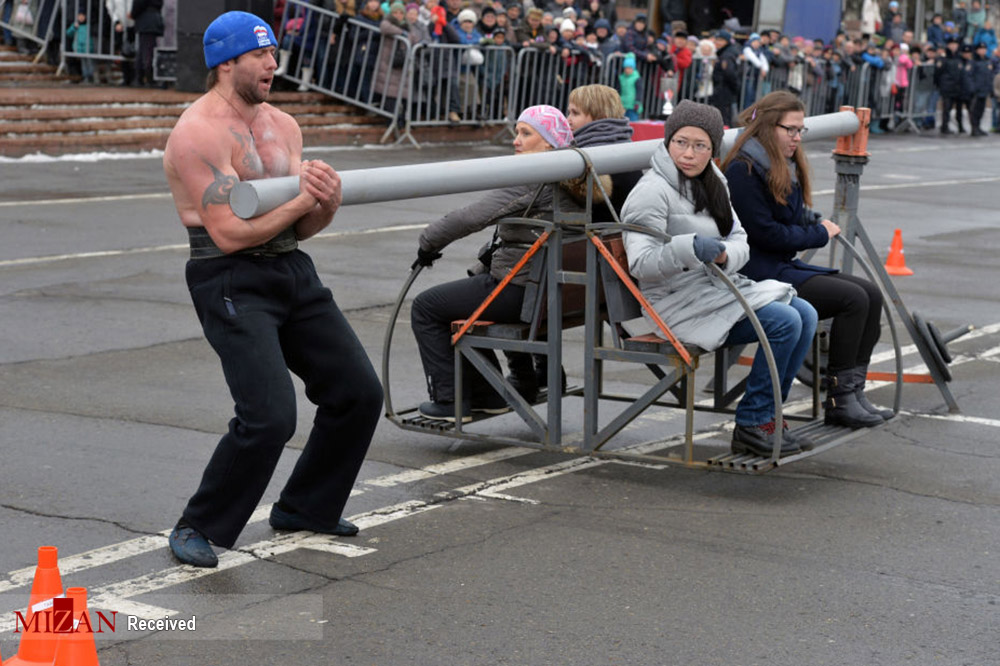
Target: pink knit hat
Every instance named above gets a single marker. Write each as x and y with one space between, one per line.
550 123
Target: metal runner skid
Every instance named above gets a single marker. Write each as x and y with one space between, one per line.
673 366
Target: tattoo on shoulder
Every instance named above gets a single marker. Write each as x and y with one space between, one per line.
218 191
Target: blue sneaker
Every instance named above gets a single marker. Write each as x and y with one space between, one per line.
294 522
191 547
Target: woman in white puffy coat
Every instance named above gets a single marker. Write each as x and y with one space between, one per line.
684 195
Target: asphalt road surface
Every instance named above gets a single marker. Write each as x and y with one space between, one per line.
883 551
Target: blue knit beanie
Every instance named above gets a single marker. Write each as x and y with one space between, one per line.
233 34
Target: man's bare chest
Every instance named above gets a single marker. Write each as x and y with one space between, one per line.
258 154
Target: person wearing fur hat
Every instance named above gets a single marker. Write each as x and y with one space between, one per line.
770 187
684 195
538 129
262 306
531 33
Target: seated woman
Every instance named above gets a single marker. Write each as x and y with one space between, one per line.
539 128
597 118
684 195
769 183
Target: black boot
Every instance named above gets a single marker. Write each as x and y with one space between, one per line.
841 406
542 371
860 376
522 375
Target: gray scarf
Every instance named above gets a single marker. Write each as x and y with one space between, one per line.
602 132
755 150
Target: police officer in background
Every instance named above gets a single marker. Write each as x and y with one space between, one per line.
948 79
979 78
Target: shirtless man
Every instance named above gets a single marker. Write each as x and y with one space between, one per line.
262 306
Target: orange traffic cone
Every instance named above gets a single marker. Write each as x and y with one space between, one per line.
896 263
38 642
77 648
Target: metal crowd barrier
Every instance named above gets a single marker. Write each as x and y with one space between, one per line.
106 43
349 59
414 85
542 77
43 23
456 84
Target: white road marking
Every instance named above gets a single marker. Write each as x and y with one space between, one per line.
926 183
145 544
85 200
118 595
26 261
448 467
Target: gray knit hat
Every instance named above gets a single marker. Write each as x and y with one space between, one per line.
692 114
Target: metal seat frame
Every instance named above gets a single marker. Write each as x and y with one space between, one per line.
673 365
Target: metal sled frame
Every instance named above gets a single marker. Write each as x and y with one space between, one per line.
672 365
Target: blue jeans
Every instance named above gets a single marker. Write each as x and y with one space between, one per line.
789 329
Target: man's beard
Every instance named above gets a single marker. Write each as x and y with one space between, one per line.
250 93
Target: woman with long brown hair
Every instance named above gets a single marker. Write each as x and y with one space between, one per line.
768 177
683 196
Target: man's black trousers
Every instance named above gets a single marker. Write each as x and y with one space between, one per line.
264 316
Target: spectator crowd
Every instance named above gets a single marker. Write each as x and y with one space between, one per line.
942 81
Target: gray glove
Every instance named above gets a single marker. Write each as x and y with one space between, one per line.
707 249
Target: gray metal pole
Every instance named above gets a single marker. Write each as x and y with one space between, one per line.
251 198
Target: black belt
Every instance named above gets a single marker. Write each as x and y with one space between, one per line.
203 247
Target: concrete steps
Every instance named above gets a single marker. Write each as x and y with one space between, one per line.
41 111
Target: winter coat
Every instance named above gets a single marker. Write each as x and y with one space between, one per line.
726 75
611 44
988 37
756 58
948 75
147 16
81 38
635 42
936 36
996 86
631 89
776 232
869 17
494 206
977 78
975 21
903 66
389 71
691 300
536 38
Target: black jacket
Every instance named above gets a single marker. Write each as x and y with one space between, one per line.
726 75
948 76
147 16
977 78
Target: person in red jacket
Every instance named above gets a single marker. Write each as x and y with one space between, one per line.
682 56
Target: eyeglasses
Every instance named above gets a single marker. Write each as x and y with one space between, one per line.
699 147
794 131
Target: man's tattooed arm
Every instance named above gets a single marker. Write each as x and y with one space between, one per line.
218 191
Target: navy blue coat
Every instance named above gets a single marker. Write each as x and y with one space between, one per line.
775 232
